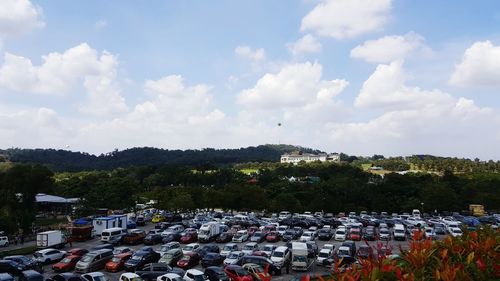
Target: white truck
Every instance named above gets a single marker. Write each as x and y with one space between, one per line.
209 231
300 260
50 239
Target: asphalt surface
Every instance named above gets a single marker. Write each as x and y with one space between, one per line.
394 245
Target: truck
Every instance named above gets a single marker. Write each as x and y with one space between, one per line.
476 210
209 232
300 260
50 239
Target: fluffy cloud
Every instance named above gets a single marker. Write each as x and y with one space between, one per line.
342 19
248 53
60 73
18 17
386 89
480 66
306 44
416 121
390 48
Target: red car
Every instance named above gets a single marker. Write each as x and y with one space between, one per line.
252 229
237 273
268 228
66 264
273 236
77 252
117 263
355 234
260 254
189 260
189 237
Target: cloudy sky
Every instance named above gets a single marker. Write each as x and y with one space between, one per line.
355 76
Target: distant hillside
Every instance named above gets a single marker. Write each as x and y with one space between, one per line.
63 160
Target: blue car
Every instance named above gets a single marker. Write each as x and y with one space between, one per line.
131 224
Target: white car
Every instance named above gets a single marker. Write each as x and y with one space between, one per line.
416 221
48 255
190 247
233 257
329 246
129 276
250 247
195 275
282 229
429 233
240 236
456 232
94 276
340 234
307 236
169 277
122 250
228 248
269 249
167 247
323 255
4 241
280 255
384 234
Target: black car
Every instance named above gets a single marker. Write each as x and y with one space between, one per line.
216 273
224 237
212 259
171 237
27 262
11 267
140 221
211 248
141 258
325 234
66 276
106 246
262 261
150 272
153 239
289 235
31 275
369 234
162 225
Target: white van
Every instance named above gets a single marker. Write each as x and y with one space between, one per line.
112 234
399 232
4 241
415 213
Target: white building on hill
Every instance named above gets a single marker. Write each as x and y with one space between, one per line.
296 157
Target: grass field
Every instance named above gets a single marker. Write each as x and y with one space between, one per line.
249 171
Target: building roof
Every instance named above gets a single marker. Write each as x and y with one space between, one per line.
45 198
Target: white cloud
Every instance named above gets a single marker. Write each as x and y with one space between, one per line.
342 19
390 48
101 24
480 66
307 44
18 17
248 53
386 89
61 73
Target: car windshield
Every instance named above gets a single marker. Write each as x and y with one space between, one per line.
233 256
66 260
87 258
343 253
136 258
323 255
100 278
340 232
105 233
185 258
188 248
248 247
115 259
258 269
456 230
299 258
200 277
241 272
37 255
278 254
384 231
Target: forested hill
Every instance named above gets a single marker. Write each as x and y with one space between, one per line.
63 160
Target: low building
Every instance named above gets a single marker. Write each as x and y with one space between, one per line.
296 157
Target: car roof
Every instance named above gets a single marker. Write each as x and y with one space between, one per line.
43 251
94 274
281 248
325 250
194 271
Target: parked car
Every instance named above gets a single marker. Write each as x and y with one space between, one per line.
262 261
249 248
66 264
190 247
94 276
93 261
134 237
66 276
212 259
122 250
77 252
170 277
117 263
237 273
364 252
167 247
241 236
188 237
189 260
195 275
171 257
257 272
216 273
4 241
31 275
152 271
268 249
171 237
233 257
384 234
140 221
224 237
13 268
26 262
355 234
228 248
211 248
141 258
325 234
153 239
273 236
369 234
47 256
340 234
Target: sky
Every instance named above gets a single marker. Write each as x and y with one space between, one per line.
363 77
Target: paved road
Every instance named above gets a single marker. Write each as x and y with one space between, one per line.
114 276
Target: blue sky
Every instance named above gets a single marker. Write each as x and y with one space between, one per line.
362 77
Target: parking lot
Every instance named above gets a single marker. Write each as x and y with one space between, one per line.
394 245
